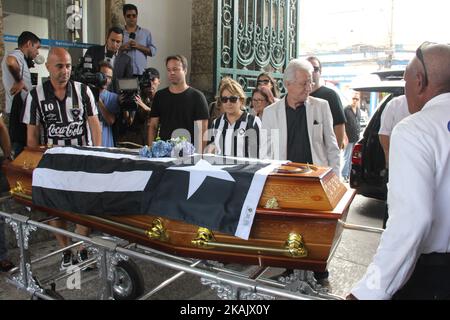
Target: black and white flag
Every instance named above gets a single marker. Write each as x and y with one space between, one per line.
218 193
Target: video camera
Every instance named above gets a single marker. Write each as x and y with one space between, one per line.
84 73
131 87
128 89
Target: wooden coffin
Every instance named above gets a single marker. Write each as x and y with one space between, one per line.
296 223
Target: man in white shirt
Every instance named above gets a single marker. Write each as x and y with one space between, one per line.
395 111
413 258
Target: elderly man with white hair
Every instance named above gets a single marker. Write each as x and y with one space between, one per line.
299 127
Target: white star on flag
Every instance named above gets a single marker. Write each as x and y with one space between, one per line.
200 171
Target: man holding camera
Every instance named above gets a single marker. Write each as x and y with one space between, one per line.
108 104
110 53
138 42
136 121
67 113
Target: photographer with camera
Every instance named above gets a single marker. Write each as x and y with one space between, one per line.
108 104
138 42
135 121
120 61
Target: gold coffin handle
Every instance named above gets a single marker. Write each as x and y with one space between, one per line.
157 231
294 246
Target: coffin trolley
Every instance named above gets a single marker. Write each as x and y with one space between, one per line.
298 224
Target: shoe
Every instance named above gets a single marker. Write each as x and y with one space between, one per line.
67 260
6 265
321 275
82 256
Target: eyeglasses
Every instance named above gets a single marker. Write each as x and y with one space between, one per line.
316 69
232 99
263 81
419 55
258 100
131 15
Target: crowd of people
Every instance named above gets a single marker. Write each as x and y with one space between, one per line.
307 125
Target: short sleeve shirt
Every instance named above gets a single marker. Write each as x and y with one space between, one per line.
337 110
179 111
64 122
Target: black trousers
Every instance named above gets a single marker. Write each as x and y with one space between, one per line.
430 279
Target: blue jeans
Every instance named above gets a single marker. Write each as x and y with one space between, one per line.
347 160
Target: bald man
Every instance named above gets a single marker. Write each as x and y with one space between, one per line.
65 109
67 113
413 258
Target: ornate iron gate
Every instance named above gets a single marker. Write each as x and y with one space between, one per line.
255 36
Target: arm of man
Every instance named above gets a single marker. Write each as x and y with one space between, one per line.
152 130
386 127
385 141
32 135
411 203
143 49
109 117
265 151
331 145
339 132
14 69
96 130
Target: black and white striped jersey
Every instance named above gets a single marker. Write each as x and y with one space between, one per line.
63 123
240 139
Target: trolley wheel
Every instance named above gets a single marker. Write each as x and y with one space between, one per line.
128 281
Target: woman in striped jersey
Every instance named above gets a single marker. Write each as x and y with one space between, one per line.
236 132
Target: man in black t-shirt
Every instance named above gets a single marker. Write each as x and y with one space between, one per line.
323 92
179 109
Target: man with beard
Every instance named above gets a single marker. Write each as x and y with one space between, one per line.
179 107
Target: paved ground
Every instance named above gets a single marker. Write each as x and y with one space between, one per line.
348 264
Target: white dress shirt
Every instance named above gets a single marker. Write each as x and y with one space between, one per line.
418 199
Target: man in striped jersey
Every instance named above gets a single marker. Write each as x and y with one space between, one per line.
67 114
66 110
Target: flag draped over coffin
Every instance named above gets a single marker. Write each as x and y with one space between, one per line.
213 192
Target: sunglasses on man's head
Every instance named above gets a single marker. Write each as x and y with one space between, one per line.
419 55
232 99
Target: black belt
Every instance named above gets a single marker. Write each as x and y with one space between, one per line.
434 259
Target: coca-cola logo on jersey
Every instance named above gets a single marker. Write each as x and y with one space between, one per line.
73 130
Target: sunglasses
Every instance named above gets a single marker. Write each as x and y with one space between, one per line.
232 99
262 81
419 55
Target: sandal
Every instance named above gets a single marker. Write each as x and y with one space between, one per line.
6 265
